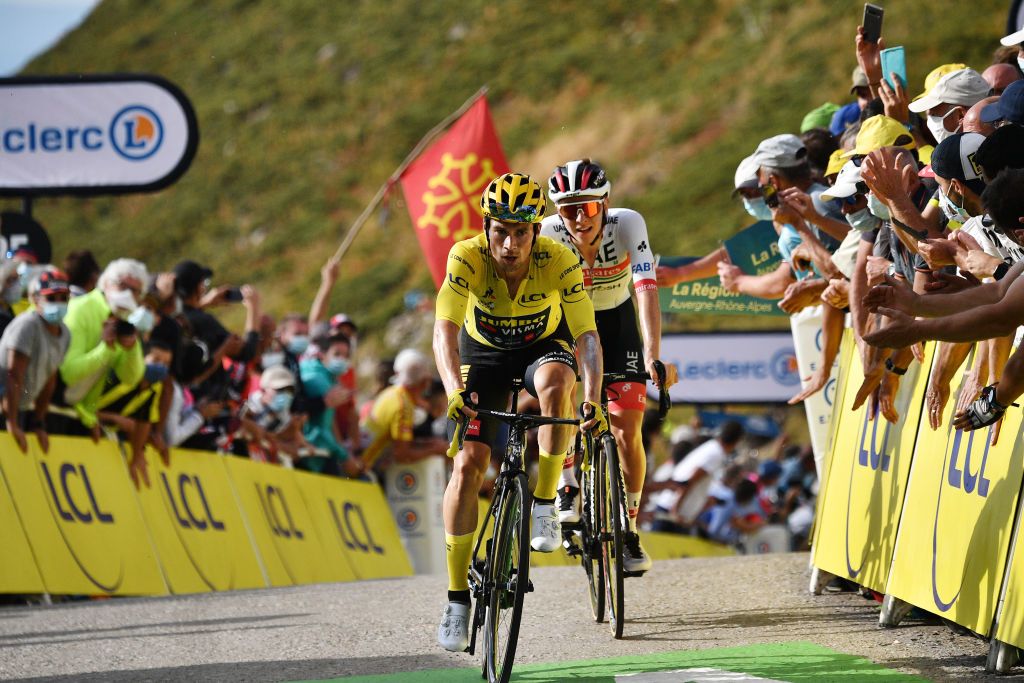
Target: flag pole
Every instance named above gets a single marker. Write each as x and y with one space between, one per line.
353 231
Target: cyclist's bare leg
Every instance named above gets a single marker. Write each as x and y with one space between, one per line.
625 426
462 493
554 383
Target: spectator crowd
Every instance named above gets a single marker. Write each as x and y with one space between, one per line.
143 357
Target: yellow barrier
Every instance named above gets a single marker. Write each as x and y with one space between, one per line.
959 511
344 513
18 572
281 525
867 476
201 538
81 518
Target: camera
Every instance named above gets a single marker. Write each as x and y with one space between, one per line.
771 196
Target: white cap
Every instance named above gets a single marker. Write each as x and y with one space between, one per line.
846 182
411 366
1015 38
780 151
746 173
965 87
277 377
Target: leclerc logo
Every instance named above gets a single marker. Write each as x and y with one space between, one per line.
136 132
784 368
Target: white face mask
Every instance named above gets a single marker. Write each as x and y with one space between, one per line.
142 318
937 126
955 214
121 302
877 207
271 359
863 220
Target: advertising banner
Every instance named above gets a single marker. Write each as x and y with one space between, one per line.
954 534
79 511
197 527
18 572
415 493
867 477
807 338
281 526
737 367
755 250
442 186
90 135
354 522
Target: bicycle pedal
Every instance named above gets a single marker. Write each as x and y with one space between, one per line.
529 586
628 574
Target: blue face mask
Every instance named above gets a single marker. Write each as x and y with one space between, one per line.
271 359
863 220
955 214
877 207
155 372
53 312
298 344
142 318
337 366
281 402
757 208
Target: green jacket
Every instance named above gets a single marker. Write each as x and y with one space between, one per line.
88 359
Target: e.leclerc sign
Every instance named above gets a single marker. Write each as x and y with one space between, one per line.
92 135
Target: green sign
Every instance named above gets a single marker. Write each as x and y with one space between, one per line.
755 250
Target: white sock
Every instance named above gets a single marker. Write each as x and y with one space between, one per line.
568 475
632 508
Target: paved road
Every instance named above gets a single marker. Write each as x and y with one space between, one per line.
380 627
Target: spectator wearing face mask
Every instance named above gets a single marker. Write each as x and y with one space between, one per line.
319 376
104 327
948 101
31 349
293 340
267 422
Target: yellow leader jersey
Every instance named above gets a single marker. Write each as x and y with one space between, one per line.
474 295
390 420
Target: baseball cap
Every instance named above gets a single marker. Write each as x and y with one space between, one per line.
411 366
746 173
819 117
964 87
1015 38
780 151
936 74
953 159
859 79
1004 148
846 182
835 162
1009 107
188 275
277 377
769 469
878 132
50 281
343 319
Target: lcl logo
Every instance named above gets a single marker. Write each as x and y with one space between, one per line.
86 514
343 522
178 497
273 501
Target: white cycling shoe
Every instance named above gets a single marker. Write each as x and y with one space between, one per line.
547 530
569 504
634 557
453 631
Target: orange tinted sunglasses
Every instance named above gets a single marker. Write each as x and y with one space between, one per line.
590 209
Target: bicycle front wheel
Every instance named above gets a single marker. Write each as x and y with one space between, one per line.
614 517
590 534
508 579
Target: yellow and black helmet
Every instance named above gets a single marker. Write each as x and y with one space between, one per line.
514 198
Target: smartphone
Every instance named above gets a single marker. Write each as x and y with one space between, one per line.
894 61
123 328
872 22
771 196
233 295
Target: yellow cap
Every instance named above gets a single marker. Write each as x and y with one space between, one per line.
878 132
835 162
936 75
924 154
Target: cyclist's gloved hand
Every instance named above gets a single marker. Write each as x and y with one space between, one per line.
456 402
985 410
592 418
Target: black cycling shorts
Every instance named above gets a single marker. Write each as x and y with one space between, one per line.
490 372
622 347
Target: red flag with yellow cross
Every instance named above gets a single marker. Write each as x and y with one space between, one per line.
442 185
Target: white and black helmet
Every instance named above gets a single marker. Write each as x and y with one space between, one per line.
581 179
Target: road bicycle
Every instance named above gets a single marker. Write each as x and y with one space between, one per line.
499 574
597 539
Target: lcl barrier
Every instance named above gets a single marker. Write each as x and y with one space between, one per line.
927 517
72 522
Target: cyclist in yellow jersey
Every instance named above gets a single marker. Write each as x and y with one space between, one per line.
512 306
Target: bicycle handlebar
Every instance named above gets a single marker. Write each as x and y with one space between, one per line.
511 418
664 400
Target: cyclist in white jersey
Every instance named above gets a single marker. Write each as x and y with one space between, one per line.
614 250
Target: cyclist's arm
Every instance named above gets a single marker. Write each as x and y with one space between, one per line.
579 314
650 323
450 312
645 283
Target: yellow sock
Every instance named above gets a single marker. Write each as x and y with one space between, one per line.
458 550
547 476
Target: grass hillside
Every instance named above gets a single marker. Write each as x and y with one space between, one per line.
305 108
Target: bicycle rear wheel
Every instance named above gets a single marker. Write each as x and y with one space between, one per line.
613 519
590 533
508 579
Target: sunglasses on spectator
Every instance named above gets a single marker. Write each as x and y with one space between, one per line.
57 297
853 199
589 209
